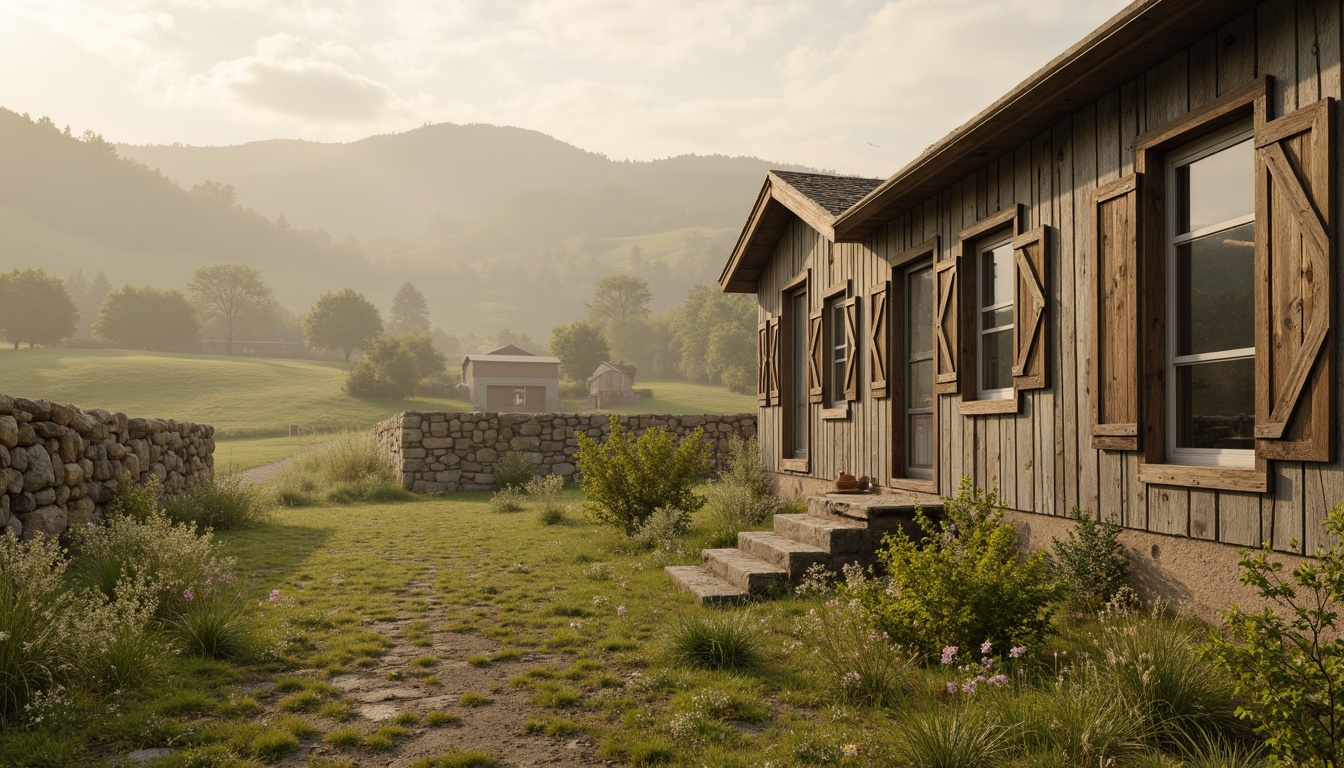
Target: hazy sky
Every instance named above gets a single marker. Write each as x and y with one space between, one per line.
859 86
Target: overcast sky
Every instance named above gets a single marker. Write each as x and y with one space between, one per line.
858 86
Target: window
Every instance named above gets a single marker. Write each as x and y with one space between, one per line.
839 351
832 352
994 337
520 396
797 319
917 346
1210 253
791 373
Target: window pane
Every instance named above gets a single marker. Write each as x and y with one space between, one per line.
996 365
837 325
919 309
921 385
1215 299
1216 188
798 370
997 318
1215 404
919 441
996 276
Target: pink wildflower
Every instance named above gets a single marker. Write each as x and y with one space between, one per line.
986 646
1018 652
998 680
969 685
275 595
949 654
188 594
620 610
951 687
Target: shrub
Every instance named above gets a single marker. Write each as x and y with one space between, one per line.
862 664
727 641
507 500
735 507
743 467
1089 559
663 529
1289 658
1076 719
388 370
346 469
514 470
626 478
133 499
218 503
112 641
964 584
35 612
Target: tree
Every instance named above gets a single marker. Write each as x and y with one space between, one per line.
428 360
36 307
388 369
619 299
732 355
694 323
581 347
143 317
234 294
344 321
409 312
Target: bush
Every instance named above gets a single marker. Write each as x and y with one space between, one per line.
133 499
663 529
507 500
743 495
626 478
219 504
965 583
1089 559
346 469
390 367
865 667
728 641
35 612
1289 658
112 640
514 470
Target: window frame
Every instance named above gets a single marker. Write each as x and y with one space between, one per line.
985 249
925 255
1008 224
790 459
835 403
1173 159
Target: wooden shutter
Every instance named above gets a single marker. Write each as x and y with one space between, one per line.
879 348
816 358
763 364
852 342
1294 285
945 325
1031 267
772 343
1115 317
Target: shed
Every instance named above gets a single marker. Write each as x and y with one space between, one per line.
612 386
512 380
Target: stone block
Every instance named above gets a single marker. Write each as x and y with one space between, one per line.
9 431
14 527
486 455
22 502
49 520
563 469
484 478
529 428
44 496
40 472
524 444
438 442
13 481
26 434
448 476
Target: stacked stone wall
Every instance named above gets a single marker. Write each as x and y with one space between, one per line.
447 452
59 464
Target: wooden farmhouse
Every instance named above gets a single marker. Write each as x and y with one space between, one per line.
512 380
612 386
1115 288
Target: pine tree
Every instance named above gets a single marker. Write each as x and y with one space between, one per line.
409 312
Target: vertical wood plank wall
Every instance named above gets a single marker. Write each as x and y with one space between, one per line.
1041 458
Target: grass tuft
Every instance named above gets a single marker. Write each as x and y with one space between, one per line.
724 641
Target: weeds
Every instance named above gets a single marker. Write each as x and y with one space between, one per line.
507 500
513 471
35 613
1089 559
728 641
346 469
219 504
860 662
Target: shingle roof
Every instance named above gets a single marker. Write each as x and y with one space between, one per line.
834 193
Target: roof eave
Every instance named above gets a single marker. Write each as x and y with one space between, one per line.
756 238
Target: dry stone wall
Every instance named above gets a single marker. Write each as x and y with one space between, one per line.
446 452
59 464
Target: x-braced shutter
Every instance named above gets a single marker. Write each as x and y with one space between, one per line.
772 344
1031 266
1114 300
763 364
1294 285
816 358
879 349
852 341
945 324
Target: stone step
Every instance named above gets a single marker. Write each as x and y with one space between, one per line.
793 557
876 512
747 573
838 536
705 587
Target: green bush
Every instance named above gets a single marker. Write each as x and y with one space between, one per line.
742 497
546 491
514 470
663 529
729 641
965 583
507 500
392 366
862 666
627 477
954 737
35 613
218 503
1089 559
1288 659
134 499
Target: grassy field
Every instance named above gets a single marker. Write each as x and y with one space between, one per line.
252 401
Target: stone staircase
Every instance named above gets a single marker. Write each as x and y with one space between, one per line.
837 529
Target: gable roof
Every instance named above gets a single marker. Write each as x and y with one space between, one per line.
815 198
512 350
606 366
523 358
1136 39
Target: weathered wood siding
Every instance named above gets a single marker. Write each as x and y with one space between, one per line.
1041 458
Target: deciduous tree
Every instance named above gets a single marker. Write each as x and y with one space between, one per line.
344 321
581 347
235 295
619 299
143 317
35 307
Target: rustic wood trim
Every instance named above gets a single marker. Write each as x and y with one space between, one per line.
912 484
1013 214
997 406
925 250
839 289
728 278
946 328
798 281
1116 430
879 339
1031 270
840 413
763 364
816 358
1236 106
1104 443
1113 305
852 337
1250 480
772 344
802 206
1151 310
795 465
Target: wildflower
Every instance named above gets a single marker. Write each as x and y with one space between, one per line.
949 654
850 680
576 624
850 750
951 687
997 680
620 610
1017 652
188 594
275 595
969 685
985 647
987 662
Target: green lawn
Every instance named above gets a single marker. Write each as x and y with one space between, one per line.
252 401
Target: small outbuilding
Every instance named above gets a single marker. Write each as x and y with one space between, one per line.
512 380
612 386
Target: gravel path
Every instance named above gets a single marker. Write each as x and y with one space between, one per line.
259 475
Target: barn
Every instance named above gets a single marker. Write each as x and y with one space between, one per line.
512 380
1113 289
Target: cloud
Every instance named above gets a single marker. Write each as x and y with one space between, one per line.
294 77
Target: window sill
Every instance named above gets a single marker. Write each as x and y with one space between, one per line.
989 407
835 414
1249 480
793 465
913 484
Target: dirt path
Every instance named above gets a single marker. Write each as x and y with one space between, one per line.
259 475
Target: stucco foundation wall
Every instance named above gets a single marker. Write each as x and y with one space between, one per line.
59 464
447 452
